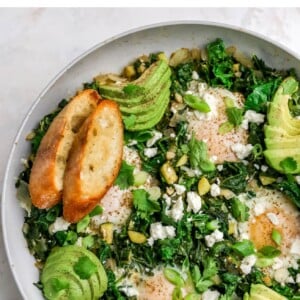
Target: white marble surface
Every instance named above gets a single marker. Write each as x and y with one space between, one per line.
36 43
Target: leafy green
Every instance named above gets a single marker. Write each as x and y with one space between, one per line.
220 64
198 155
84 267
181 76
196 103
234 115
125 177
261 94
173 276
98 210
290 188
143 204
289 164
244 247
235 176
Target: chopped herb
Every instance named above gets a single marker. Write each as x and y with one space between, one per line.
276 236
239 210
289 164
196 103
269 252
83 224
234 115
84 267
244 247
125 177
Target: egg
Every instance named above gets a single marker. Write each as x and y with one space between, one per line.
206 125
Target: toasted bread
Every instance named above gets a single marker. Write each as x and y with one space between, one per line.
46 178
94 161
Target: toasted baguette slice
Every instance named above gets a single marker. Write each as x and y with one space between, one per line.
46 178
94 161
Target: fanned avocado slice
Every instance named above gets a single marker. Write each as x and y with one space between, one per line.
146 98
141 95
262 292
282 133
60 276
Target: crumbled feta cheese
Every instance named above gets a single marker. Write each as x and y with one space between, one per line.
180 189
278 263
160 232
214 158
214 237
295 248
273 218
258 209
219 168
195 75
264 168
281 275
194 202
191 172
150 152
210 295
215 190
168 199
177 210
60 224
156 136
298 278
297 178
241 151
129 291
256 166
247 263
252 116
172 135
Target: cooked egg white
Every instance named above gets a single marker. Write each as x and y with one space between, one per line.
206 126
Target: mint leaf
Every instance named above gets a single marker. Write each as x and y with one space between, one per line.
288 164
234 115
125 177
198 155
196 103
129 121
143 204
133 90
85 268
244 248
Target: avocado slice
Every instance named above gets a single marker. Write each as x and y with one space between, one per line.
283 142
275 157
146 93
262 292
282 133
148 101
59 267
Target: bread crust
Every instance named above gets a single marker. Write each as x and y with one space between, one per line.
46 178
94 161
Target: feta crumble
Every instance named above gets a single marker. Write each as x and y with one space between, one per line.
297 178
177 210
215 190
241 151
160 232
150 152
60 224
194 202
180 189
295 248
214 237
210 295
273 218
156 136
247 264
252 116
